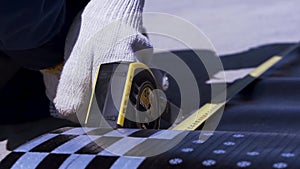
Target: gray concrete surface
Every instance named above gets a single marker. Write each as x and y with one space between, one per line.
231 25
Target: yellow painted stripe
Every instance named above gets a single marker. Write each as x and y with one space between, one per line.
200 116
92 95
265 66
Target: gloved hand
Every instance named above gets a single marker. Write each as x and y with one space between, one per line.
106 31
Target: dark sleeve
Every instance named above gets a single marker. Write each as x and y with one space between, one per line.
30 31
29 24
33 32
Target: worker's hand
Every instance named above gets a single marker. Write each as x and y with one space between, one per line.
106 31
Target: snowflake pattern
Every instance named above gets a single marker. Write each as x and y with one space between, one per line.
253 153
219 151
207 133
175 161
229 143
209 163
243 164
198 141
238 136
288 155
187 150
280 165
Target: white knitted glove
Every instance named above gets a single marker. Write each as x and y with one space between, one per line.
107 31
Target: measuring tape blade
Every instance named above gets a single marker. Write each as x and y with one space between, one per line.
197 118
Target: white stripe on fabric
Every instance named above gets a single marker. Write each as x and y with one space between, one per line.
124 145
121 132
78 131
106 153
166 134
29 160
75 144
30 145
127 162
77 161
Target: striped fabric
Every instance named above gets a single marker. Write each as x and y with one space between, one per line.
126 148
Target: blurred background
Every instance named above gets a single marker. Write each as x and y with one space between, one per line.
233 25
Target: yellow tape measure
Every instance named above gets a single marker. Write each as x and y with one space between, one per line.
197 118
200 116
265 66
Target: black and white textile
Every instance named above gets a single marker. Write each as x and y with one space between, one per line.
128 148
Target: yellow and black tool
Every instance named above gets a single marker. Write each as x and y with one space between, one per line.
125 95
